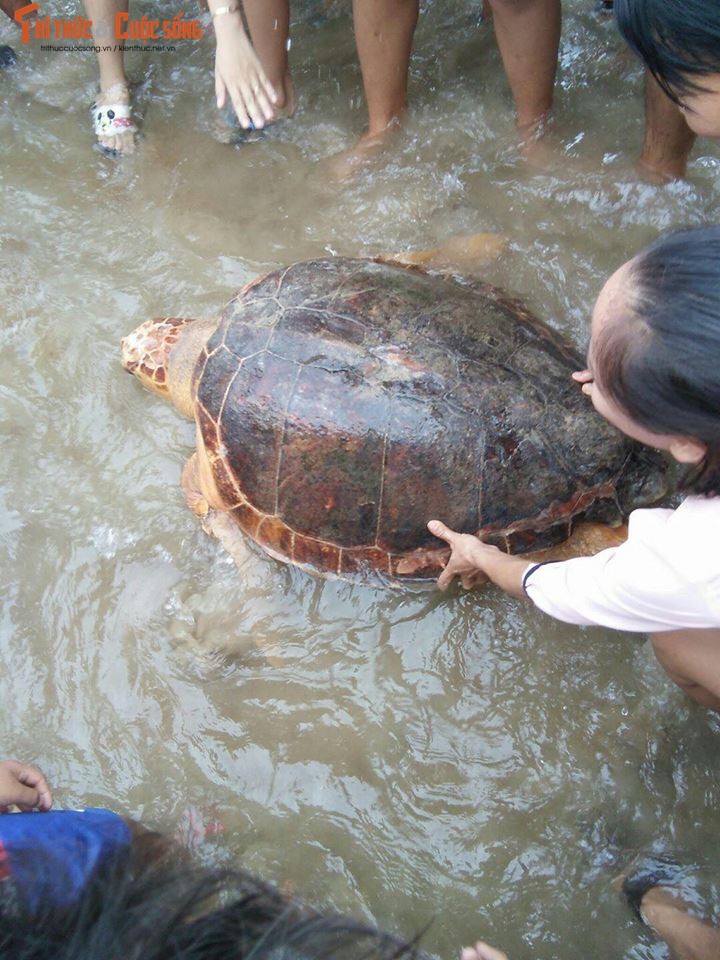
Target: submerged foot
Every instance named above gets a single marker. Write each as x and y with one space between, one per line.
537 144
287 103
348 163
482 951
113 122
651 888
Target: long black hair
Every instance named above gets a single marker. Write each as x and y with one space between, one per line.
170 909
678 40
661 362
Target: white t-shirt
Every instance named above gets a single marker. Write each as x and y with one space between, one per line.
666 575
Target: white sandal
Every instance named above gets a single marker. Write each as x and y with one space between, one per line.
110 119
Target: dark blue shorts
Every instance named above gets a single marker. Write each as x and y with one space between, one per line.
49 857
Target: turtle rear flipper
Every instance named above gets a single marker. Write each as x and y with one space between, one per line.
457 255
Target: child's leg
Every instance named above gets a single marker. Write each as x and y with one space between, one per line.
384 34
528 35
113 82
668 138
691 658
269 24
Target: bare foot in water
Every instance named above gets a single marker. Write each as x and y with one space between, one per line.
348 163
114 126
537 144
287 101
482 951
650 889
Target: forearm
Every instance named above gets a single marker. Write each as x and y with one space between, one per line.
227 20
506 572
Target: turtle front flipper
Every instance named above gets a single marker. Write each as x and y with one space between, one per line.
219 524
204 504
202 496
190 483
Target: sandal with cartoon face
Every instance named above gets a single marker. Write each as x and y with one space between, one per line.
110 119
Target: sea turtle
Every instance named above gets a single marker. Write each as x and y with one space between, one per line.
342 403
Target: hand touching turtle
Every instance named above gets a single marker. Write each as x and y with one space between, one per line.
333 449
466 557
476 562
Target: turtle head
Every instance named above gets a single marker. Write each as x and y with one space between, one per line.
146 352
162 354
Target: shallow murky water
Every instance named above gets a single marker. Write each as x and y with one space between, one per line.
408 756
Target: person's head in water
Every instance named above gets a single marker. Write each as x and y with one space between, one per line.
654 356
170 908
679 42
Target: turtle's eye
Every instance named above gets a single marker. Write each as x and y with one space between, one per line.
111 114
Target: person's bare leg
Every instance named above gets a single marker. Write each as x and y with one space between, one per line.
384 31
668 139
113 82
269 25
687 937
691 658
528 35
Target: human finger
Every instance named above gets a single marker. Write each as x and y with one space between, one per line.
582 376
220 90
447 576
264 93
264 104
270 90
30 777
34 779
26 798
248 93
442 532
239 108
